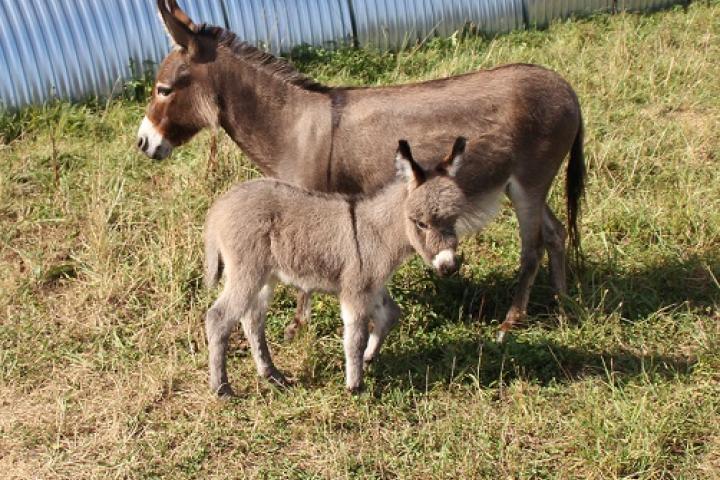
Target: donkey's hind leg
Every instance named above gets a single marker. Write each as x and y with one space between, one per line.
302 315
529 210
220 320
554 235
384 317
253 323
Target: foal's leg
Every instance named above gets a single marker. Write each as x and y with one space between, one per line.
220 320
302 315
385 315
355 314
253 323
554 235
529 210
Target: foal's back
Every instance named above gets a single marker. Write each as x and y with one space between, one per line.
270 226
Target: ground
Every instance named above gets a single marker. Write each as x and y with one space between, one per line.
103 368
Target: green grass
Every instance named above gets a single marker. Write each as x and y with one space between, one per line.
102 352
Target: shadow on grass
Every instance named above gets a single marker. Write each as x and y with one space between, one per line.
635 295
488 364
433 351
640 292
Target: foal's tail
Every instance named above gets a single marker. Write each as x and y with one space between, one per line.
574 188
213 261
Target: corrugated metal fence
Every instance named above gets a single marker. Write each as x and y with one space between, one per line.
76 48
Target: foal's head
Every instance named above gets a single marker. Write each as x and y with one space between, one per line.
433 205
183 100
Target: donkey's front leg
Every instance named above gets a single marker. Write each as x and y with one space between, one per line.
529 210
302 315
355 315
385 315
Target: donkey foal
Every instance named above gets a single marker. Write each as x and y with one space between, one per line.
266 230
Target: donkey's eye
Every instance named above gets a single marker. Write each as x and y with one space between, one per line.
421 225
164 91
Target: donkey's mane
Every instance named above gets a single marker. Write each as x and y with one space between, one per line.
264 61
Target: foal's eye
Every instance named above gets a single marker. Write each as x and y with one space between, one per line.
421 225
164 91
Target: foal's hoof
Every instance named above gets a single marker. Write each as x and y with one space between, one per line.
224 391
355 390
502 336
279 380
368 362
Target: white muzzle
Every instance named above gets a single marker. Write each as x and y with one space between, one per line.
151 142
444 262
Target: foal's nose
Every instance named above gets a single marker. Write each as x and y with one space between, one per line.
445 263
446 270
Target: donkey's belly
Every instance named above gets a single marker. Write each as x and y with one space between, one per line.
307 283
480 211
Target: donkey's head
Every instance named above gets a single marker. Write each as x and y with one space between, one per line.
183 99
433 205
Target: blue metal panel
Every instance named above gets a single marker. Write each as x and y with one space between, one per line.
541 12
65 42
153 41
280 25
392 23
79 48
142 44
8 93
647 5
76 48
21 68
202 11
96 59
48 78
117 57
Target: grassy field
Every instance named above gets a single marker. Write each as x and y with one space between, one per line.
102 350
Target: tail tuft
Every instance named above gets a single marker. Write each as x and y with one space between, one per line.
575 188
213 262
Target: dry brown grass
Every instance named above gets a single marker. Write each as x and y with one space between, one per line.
102 352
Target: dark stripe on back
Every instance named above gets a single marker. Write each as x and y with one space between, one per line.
352 204
338 100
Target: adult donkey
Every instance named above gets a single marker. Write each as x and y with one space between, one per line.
520 120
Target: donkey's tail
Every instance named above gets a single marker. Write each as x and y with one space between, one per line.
213 261
574 188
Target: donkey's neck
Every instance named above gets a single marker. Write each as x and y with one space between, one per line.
381 228
262 112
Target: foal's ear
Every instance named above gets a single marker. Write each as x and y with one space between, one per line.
177 23
453 162
406 166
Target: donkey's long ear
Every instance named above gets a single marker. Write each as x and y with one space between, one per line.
452 163
406 166
178 24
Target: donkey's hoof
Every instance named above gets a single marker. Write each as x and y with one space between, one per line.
502 336
290 332
368 362
355 390
278 380
224 391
